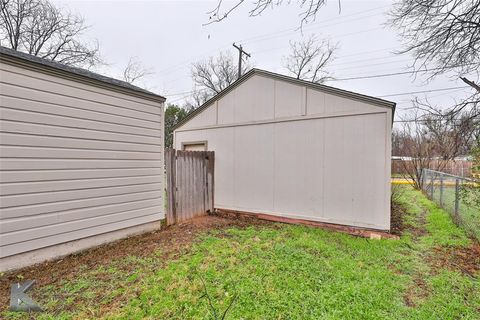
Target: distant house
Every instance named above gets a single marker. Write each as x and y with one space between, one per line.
81 159
296 149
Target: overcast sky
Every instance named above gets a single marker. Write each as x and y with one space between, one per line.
168 36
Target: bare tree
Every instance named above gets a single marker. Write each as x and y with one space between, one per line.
213 75
198 98
135 71
308 59
309 8
426 141
443 36
38 28
452 137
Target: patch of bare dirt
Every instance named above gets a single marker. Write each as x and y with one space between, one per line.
398 224
416 293
465 260
396 220
420 230
170 242
417 229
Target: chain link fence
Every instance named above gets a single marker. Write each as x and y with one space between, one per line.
458 195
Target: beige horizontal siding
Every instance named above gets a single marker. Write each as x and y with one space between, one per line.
75 160
52 186
33 244
58 131
50 98
19 139
39 164
35 221
74 112
53 175
45 231
67 153
45 197
60 206
69 122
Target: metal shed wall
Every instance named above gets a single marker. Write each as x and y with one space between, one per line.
294 151
76 161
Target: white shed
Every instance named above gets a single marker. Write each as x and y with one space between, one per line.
296 149
81 159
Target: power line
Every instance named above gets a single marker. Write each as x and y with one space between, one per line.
352 62
367 52
423 120
186 62
312 26
363 60
363 77
269 36
409 101
366 65
396 73
424 91
181 93
384 96
371 64
336 37
374 76
178 99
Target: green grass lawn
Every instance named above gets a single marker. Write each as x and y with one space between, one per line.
279 271
468 213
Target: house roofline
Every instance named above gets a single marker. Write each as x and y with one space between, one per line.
17 58
276 76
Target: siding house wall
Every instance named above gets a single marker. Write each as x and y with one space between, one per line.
76 160
291 150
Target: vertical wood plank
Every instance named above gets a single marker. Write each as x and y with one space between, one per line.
186 188
170 188
196 189
189 187
204 182
211 180
207 182
192 185
173 165
180 183
201 199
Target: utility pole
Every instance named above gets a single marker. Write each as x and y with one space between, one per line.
240 53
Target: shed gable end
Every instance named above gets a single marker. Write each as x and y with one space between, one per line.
262 96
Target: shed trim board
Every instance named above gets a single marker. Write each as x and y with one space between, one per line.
289 148
317 86
254 123
81 159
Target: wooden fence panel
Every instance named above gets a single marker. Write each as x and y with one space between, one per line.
190 176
